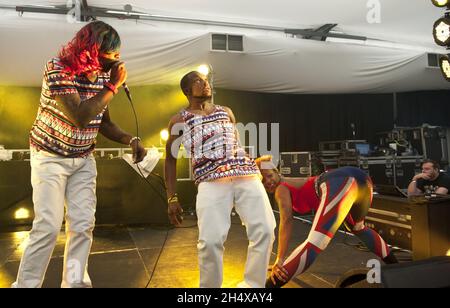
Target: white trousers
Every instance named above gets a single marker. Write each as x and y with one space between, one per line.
55 180
215 201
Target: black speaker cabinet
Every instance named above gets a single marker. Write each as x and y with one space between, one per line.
295 164
429 273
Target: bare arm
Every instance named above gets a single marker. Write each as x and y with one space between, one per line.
412 187
113 132
82 112
284 202
170 172
413 190
170 166
442 191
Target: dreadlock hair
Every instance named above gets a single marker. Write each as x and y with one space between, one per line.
81 54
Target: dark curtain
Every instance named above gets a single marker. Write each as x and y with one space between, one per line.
417 108
307 119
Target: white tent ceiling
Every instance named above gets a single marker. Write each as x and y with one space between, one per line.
392 60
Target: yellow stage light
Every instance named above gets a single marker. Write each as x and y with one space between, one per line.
164 134
444 63
441 31
22 214
441 3
203 69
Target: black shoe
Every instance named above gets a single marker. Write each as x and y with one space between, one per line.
390 259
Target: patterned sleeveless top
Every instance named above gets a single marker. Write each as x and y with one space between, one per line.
212 143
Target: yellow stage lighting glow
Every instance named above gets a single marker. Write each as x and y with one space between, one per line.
444 63
441 31
203 69
441 3
22 214
164 134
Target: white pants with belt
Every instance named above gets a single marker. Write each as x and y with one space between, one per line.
55 180
215 201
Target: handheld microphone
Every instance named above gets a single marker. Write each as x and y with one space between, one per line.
127 91
124 85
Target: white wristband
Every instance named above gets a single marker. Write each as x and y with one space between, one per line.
132 139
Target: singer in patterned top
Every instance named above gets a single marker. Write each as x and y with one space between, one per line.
77 87
226 177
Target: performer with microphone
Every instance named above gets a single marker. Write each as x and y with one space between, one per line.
77 88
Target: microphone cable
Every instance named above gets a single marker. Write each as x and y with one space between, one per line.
168 226
137 135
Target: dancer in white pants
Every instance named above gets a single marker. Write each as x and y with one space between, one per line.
226 177
76 91
215 201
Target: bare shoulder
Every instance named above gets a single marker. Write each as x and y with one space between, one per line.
282 192
177 118
227 109
230 113
283 199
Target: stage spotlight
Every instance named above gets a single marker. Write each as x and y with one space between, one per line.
444 63
207 70
441 31
164 135
203 69
22 214
441 3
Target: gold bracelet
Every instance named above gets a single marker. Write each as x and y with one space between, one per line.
173 199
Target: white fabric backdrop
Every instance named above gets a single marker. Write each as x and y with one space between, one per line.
159 52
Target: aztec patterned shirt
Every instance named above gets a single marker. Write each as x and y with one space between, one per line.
212 143
52 130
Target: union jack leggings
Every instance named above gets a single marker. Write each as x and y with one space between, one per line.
345 197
